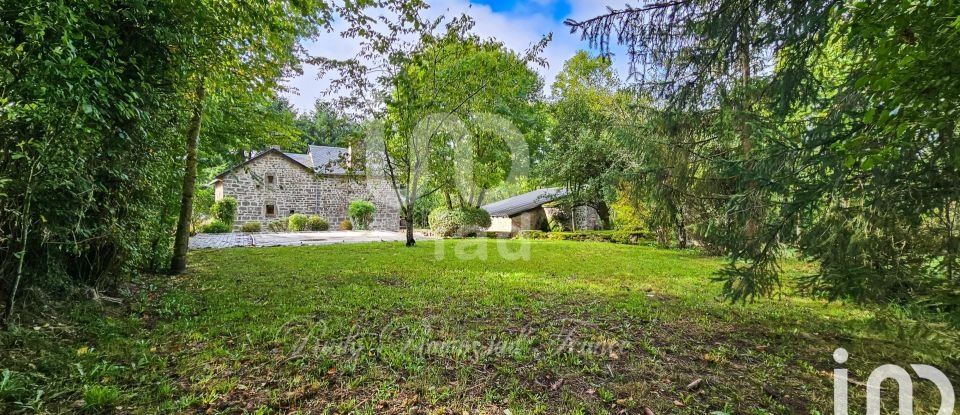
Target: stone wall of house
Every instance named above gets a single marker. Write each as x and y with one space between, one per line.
580 218
296 189
529 220
334 194
585 218
501 224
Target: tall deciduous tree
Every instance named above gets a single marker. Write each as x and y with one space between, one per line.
87 150
398 79
585 155
241 46
494 94
324 125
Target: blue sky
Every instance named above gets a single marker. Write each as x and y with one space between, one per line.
516 23
559 10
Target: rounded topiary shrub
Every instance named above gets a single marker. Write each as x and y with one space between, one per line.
346 225
297 222
250 227
225 210
215 226
458 222
361 213
316 223
278 225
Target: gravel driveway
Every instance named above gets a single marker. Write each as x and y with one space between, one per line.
228 240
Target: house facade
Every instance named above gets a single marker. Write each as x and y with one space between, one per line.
274 185
533 210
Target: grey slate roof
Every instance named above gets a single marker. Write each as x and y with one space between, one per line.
524 202
303 159
328 159
321 159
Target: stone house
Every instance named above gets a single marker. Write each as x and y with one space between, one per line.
273 185
533 210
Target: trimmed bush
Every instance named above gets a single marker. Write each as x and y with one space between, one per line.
346 225
216 226
458 222
250 227
316 223
361 213
297 222
278 225
618 237
225 210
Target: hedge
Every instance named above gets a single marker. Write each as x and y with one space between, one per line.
361 213
297 222
251 227
316 223
278 225
458 222
225 210
619 237
216 226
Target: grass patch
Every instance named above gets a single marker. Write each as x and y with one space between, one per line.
447 327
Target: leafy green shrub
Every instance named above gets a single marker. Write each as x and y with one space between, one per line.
278 225
346 225
629 216
361 213
202 203
618 237
458 222
216 226
555 225
316 223
225 210
297 222
250 227
532 234
101 397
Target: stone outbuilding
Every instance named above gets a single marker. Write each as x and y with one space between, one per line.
273 185
533 211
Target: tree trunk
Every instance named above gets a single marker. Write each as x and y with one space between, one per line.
681 231
480 196
178 263
745 142
409 219
449 201
25 224
752 225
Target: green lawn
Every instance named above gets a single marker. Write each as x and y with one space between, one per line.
378 328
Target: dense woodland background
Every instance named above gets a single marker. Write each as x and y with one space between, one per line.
750 129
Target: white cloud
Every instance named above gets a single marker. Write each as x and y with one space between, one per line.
517 31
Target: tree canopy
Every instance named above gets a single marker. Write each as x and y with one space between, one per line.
826 126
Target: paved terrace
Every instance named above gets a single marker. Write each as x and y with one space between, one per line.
228 240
